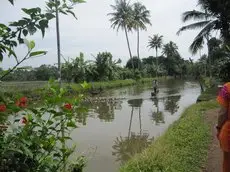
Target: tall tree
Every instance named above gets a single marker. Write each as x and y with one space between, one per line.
106 67
64 7
173 59
214 15
170 49
155 42
121 18
140 20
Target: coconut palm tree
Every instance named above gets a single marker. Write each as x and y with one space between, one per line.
220 10
140 20
122 18
155 42
214 16
170 49
204 21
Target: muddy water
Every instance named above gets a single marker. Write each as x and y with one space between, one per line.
123 122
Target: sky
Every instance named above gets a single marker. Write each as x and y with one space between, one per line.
92 32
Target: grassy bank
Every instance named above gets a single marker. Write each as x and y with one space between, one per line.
34 85
114 84
208 94
182 148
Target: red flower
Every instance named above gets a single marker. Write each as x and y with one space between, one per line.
2 108
68 106
22 102
24 120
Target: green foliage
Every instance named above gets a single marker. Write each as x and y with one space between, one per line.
75 70
64 7
30 45
210 92
45 72
155 42
136 63
11 1
214 15
182 148
37 143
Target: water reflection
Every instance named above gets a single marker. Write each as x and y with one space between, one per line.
172 83
82 117
105 109
126 147
156 115
135 122
171 104
135 103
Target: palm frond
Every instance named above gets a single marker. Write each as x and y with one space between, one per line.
155 41
141 16
199 40
193 26
196 45
195 15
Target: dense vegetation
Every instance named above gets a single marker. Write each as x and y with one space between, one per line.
105 68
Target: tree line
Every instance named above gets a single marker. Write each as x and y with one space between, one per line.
127 16
105 68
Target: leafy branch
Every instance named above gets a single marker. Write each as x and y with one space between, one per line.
30 54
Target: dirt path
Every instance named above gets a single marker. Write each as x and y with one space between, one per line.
214 161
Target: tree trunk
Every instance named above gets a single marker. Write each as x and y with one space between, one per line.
130 53
156 64
225 32
209 61
138 45
130 123
209 58
58 43
205 70
59 73
140 120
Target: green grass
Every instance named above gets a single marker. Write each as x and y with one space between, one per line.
208 94
33 85
114 84
22 86
183 147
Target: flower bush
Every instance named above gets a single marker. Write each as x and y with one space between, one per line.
2 108
36 139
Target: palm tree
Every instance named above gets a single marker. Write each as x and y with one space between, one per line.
204 21
170 49
214 15
155 42
202 62
220 11
122 18
141 18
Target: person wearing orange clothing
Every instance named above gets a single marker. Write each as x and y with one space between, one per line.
223 125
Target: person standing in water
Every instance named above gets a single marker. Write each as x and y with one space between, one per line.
155 86
223 125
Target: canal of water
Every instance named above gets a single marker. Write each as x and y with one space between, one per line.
123 122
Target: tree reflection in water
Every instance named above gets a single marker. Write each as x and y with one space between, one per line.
105 109
157 116
126 147
171 104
